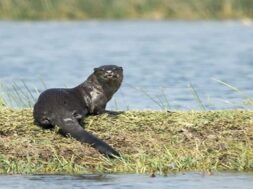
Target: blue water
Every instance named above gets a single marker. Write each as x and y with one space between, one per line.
178 181
160 60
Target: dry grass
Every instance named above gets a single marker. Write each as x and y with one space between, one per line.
150 142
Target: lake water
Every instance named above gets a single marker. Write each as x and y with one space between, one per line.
178 181
164 62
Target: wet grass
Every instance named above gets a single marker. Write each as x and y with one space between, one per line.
157 142
121 9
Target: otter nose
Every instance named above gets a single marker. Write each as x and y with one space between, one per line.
110 74
109 71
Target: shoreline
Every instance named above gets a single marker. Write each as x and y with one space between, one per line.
114 9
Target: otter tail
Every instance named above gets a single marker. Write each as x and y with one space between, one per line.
70 126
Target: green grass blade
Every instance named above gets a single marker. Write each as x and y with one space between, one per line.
197 98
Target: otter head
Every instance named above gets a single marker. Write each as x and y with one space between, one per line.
109 74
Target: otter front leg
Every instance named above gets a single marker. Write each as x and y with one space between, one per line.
110 112
99 110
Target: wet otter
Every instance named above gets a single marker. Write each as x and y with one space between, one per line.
67 107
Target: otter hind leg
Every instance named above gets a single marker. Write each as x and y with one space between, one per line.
79 116
45 123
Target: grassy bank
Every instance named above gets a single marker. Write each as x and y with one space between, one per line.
151 142
122 9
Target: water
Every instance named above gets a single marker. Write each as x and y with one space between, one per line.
179 181
160 60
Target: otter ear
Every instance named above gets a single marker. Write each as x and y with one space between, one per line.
120 68
96 69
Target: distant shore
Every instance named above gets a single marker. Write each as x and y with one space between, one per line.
121 9
151 142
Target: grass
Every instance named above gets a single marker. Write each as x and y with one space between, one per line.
151 142
121 9
156 142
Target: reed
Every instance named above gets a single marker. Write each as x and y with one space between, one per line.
17 94
121 9
197 98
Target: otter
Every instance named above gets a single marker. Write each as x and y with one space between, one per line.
67 107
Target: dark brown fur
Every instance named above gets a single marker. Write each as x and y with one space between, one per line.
67 107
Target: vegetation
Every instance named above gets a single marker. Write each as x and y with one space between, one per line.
152 142
122 9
